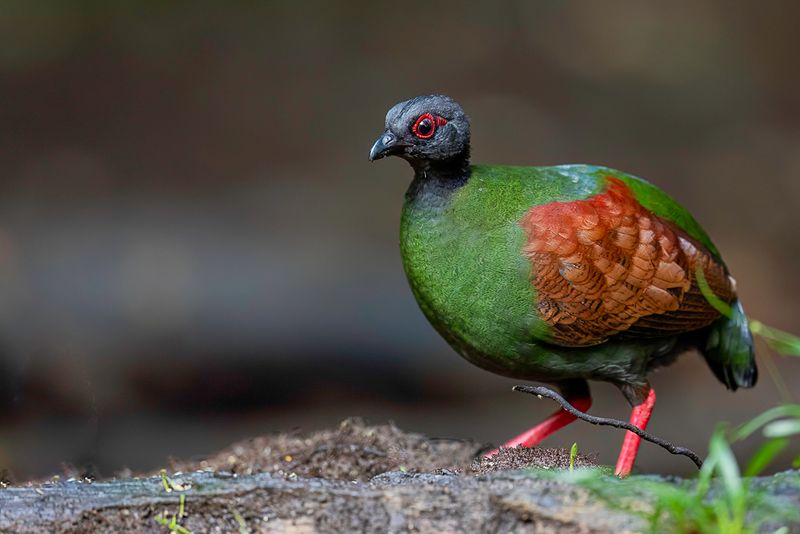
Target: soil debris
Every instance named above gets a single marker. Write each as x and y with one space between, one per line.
355 450
522 458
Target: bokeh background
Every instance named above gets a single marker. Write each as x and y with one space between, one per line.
194 248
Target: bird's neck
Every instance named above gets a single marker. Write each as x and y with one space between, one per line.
435 181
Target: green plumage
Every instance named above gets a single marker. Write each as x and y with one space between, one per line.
462 253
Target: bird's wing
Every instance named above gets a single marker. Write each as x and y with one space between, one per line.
606 266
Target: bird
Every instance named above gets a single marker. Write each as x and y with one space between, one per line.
558 274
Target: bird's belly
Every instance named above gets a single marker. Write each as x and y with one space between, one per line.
478 295
492 339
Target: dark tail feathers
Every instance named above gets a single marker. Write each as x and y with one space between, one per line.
729 350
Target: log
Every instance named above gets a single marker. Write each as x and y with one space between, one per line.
361 478
508 501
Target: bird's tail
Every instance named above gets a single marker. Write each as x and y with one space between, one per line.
729 350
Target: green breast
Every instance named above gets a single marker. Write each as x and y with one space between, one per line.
462 253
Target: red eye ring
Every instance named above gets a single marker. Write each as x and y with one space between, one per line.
425 126
421 130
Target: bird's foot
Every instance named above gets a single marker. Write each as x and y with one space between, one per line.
537 434
541 391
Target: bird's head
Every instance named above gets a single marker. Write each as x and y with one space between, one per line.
425 130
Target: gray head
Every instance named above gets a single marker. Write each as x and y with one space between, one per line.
425 130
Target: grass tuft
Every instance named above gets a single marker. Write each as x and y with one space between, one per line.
172 522
721 500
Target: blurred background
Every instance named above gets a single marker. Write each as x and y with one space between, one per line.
194 248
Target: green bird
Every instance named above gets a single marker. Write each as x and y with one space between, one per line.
558 274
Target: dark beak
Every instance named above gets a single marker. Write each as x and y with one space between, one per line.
386 145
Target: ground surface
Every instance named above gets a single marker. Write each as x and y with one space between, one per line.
357 451
355 478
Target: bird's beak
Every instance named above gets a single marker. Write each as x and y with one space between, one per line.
386 145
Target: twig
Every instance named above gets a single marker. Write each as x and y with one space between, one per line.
542 391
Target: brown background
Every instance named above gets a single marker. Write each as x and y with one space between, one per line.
194 248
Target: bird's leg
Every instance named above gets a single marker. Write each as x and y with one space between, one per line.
578 395
542 391
640 415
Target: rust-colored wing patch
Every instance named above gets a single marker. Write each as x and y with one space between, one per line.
606 265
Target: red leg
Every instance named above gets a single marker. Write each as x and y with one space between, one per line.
639 417
554 422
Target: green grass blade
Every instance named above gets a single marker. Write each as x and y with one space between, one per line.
778 340
765 455
782 429
716 302
728 469
573 453
785 410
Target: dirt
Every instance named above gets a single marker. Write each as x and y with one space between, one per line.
358 451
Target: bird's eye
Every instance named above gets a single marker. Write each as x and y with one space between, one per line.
425 126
